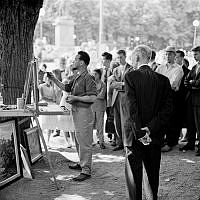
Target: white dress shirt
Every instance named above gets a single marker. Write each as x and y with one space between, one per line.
173 72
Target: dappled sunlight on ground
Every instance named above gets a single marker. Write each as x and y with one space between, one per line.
46 171
99 157
64 177
73 156
70 197
109 193
188 160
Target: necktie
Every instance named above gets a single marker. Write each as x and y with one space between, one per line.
106 76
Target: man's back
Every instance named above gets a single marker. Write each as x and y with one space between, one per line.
148 99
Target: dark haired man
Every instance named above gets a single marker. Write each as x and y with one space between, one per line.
153 63
181 106
83 94
192 82
117 84
179 57
106 59
107 72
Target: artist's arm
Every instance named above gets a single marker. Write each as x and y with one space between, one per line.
89 96
85 99
66 87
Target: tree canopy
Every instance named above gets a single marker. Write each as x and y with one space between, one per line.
155 22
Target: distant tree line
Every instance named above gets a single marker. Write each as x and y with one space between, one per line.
154 22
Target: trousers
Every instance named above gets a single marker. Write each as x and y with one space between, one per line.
83 122
99 124
142 165
119 118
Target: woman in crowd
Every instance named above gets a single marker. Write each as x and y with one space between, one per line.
65 122
47 94
99 107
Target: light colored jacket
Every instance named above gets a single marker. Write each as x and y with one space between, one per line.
117 81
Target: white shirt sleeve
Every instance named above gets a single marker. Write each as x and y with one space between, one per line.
175 81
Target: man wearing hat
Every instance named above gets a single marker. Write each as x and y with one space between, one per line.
174 73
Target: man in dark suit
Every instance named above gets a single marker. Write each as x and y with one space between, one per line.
117 85
107 72
181 103
148 108
192 82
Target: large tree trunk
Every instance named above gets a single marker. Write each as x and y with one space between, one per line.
17 24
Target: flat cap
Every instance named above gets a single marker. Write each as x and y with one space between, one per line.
170 49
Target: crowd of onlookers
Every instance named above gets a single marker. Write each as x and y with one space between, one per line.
109 79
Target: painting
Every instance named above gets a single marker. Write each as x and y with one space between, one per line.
33 144
10 167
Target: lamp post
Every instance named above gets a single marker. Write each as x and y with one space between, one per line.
41 15
100 25
195 24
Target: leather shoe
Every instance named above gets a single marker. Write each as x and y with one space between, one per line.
187 147
81 177
166 148
118 148
76 167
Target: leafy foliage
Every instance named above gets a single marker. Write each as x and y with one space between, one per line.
155 22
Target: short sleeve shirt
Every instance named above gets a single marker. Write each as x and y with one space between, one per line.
82 85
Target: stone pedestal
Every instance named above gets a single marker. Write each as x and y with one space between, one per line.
64 31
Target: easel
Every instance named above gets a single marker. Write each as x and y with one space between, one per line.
31 83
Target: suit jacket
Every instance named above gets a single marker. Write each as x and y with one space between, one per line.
194 87
106 78
182 89
117 78
148 97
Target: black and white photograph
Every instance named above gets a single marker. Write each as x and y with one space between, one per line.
106 94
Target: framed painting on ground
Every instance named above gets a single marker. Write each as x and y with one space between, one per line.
33 144
10 165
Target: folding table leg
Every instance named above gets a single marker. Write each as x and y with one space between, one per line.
46 151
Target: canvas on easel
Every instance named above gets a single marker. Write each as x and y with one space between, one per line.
31 84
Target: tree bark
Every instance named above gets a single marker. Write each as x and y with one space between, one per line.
17 24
